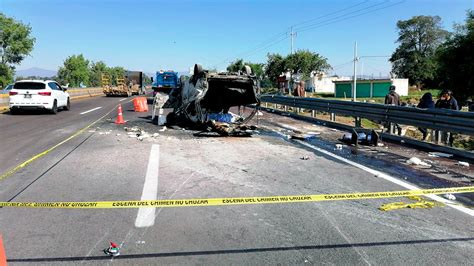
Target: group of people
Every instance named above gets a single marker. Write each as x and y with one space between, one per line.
446 101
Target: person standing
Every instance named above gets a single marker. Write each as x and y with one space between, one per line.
392 98
447 101
426 102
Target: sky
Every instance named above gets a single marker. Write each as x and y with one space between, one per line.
151 35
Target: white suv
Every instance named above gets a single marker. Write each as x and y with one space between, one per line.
38 94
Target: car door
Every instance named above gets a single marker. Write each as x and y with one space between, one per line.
55 93
63 94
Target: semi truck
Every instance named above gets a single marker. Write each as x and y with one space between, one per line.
131 83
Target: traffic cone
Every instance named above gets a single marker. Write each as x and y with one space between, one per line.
3 256
119 119
144 103
137 104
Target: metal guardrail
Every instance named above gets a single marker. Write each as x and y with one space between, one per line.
437 119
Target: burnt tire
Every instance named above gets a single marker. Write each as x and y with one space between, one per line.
197 70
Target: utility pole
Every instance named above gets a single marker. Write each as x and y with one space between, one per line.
292 36
354 88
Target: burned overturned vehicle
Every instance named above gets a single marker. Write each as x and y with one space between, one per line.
205 99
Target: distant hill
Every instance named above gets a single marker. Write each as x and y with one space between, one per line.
35 71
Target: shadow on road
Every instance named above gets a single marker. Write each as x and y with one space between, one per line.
244 251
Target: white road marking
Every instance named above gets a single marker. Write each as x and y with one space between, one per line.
123 99
93 109
146 215
384 176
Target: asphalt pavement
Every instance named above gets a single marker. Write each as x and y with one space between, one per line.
105 163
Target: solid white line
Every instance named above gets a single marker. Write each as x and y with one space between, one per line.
123 99
384 176
97 108
146 215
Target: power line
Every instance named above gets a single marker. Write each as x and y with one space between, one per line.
264 44
344 16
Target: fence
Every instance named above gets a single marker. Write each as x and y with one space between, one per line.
439 120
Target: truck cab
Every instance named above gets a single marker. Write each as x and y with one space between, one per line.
165 81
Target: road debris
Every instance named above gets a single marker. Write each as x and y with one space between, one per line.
355 138
305 158
163 129
465 164
417 161
338 146
302 136
450 196
440 154
113 250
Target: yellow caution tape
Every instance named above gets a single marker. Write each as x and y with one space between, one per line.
232 201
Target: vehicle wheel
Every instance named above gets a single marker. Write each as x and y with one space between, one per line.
54 110
68 105
197 70
13 111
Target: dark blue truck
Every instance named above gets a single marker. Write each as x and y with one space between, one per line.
165 81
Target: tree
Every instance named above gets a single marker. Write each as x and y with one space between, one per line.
305 62
236 66
15 44
96 70
456 60
414 58
274 68
74 71
116 72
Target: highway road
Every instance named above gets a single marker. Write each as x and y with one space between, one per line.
105 164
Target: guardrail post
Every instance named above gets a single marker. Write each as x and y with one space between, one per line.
266 105
391 128
358 122
333 117
286 108
313 113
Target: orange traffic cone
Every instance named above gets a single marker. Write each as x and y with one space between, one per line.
144 104
3 256
119 119
140 104
137 104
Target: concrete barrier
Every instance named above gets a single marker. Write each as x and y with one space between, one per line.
74 93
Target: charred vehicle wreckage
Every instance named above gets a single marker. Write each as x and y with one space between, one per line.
203 101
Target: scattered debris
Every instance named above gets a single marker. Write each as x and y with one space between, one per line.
113 250
132 129
339 146
92 131
450 196
314 133
461 163
163 129
155 135
305 158
417 161
302 136
259 113
440 154
363 138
